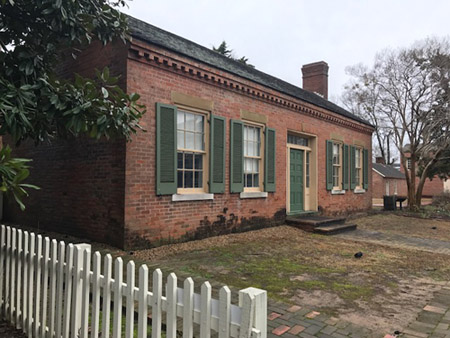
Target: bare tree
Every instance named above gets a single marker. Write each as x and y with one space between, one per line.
362 97
407 91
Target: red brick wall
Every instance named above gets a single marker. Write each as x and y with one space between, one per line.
149 217
82 181
379 186
431 188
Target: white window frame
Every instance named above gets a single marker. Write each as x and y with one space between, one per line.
359 168
204 152
339 165
260 158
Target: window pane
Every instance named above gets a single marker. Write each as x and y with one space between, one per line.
256 148
189 141
256 180
198 162
180 161
190 122
247 133
298 140
180 139
249 180
247 165
180 179
188 161
256 166
180 120
188 179
250 133
250 149
198 176
199 123
198 142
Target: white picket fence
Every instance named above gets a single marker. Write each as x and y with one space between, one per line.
49 289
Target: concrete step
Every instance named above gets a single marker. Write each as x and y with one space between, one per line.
334 229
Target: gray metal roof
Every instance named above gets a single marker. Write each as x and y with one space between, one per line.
388 171
144 31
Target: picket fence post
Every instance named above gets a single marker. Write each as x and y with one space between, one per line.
77 287
260 308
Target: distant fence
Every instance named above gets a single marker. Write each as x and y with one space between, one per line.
50 289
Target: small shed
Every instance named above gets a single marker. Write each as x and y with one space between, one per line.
387 180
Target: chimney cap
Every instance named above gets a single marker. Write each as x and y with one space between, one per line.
317 63
315 78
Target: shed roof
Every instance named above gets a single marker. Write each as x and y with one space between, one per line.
147 32
387 171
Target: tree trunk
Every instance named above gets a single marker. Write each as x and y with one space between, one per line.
420 190
412 202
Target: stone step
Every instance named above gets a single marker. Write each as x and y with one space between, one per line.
313 221
334 229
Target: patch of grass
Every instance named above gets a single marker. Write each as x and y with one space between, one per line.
352 292
311 284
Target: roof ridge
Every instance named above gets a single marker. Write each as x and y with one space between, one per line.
139 28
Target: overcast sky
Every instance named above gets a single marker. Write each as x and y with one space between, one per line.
280 36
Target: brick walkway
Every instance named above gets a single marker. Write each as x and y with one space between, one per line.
398 241
288 321
434 319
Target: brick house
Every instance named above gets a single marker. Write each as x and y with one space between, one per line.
228 148
387 180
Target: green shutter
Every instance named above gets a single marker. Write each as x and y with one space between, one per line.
345 168
236 156
217 155
329 165
366 169
352 168
270 162
166 149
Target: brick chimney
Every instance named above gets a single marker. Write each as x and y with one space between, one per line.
315 78
380 160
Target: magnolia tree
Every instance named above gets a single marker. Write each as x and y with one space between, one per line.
35 103
406 96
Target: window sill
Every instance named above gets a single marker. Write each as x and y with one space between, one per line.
253 194
191 197
337 192
359 191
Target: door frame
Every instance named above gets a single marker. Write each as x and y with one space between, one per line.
312 171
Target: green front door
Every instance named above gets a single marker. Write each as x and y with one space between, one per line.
296 180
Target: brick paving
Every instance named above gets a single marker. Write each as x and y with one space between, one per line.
287 321
434 319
